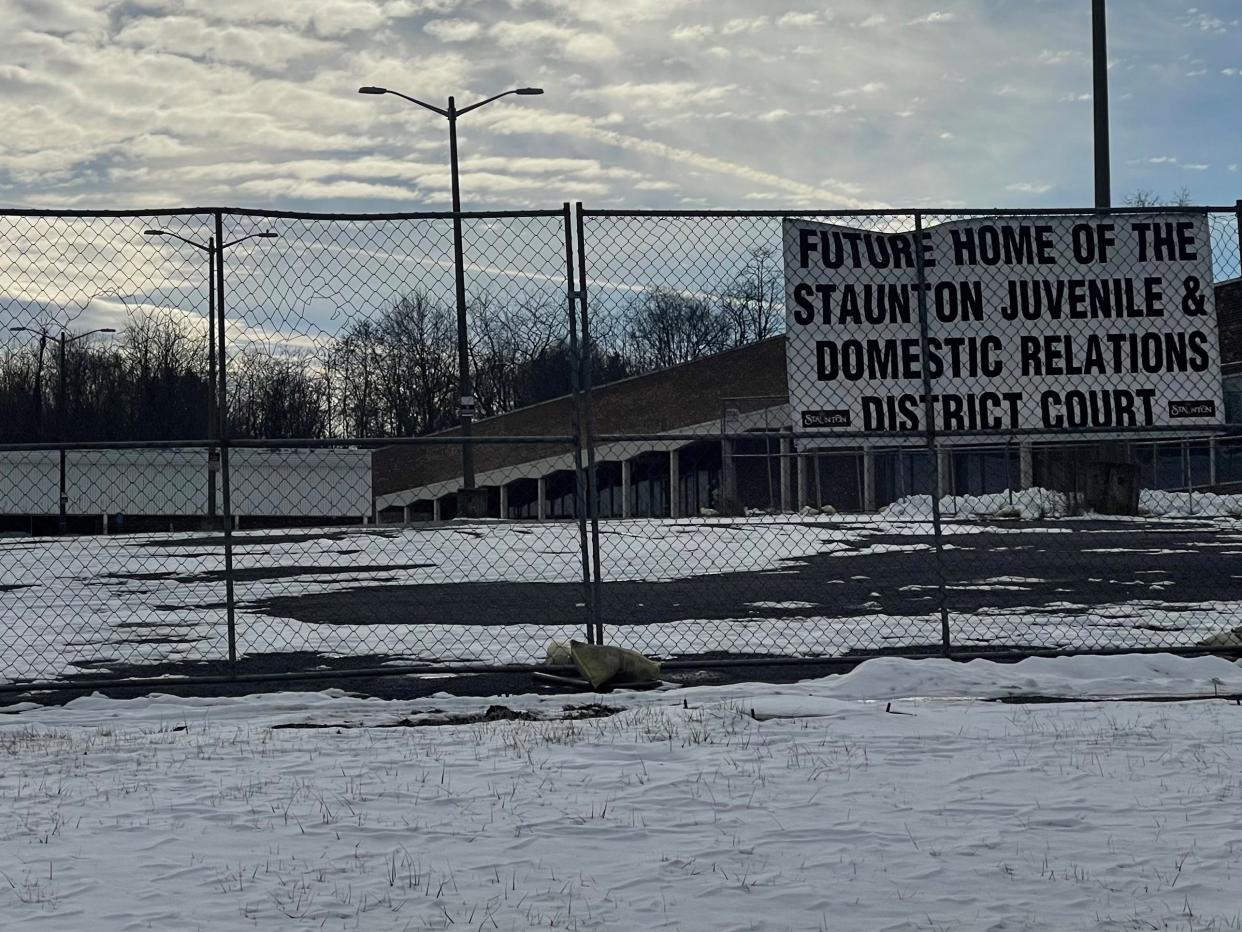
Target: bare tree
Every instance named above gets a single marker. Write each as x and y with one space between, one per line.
507 339
753 303
666 328
419 375
1143 197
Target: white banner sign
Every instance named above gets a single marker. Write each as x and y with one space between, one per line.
1057 323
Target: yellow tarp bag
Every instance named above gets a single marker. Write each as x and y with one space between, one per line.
600 663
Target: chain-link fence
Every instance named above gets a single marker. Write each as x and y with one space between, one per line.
240 443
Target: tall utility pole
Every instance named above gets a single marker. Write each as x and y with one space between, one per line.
1099 97
471 502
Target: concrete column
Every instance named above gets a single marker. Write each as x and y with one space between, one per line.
504 501
1212 463
803 464
435 509
868 479
541 506
407 514
1026 465
104 517
944 469
625 489
786 464
674 484
728 478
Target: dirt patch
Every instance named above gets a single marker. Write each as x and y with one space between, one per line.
435 718
259 573
266 540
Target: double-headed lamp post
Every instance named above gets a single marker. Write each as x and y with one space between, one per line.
469 503
64 341
214 394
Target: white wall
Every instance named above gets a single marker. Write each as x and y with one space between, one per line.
288 483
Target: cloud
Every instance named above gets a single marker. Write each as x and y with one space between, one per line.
648 101
517 122
261 46
323 17
933 18
591 47
796 19
1204 22
692 33
1028 187
662 95
871 87
621 12
573 45
1055 56
399 9
452 30
733 26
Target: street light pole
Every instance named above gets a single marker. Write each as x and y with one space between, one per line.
470 503
464 381
1099 99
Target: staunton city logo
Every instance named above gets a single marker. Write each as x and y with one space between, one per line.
838 417
1192 409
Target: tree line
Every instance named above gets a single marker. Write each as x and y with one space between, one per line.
391 374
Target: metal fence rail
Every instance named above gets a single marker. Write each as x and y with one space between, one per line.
246 462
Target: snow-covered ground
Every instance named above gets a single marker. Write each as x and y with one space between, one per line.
70 605
809 806
1034 504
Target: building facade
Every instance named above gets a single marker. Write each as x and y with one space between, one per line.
663 451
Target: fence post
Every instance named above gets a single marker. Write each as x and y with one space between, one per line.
589 422
575 387
222 417
1188 477
933 447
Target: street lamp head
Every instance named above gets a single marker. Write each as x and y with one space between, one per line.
107 330
154 232
267 234
529 91
369 89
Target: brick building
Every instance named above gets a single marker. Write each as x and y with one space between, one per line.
662 431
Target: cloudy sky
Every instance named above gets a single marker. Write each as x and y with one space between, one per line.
649 103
